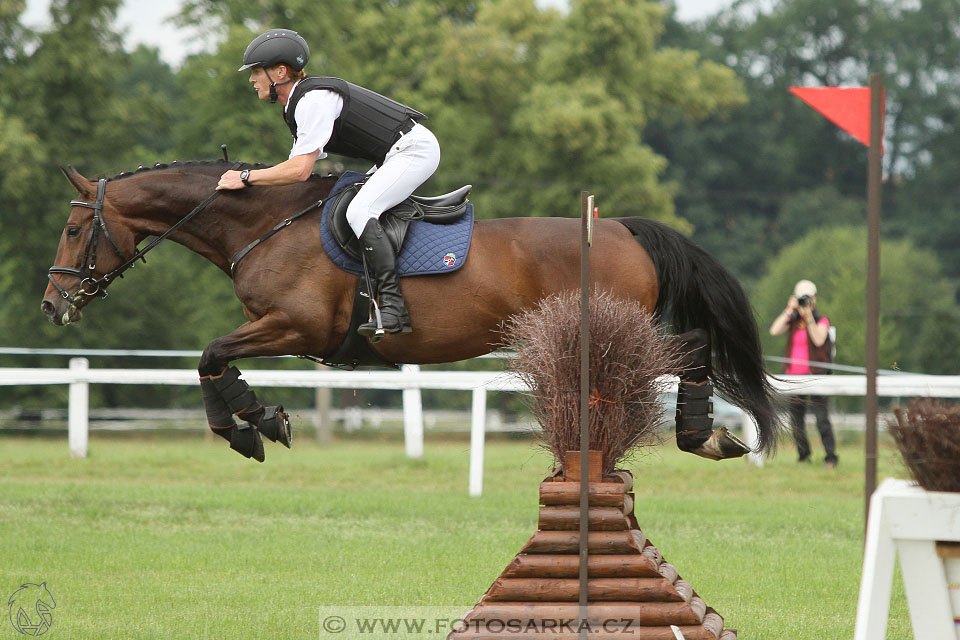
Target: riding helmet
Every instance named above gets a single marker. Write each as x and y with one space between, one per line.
276 46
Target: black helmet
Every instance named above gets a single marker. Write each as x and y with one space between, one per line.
276 46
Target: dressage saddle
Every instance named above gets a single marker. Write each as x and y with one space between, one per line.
444 209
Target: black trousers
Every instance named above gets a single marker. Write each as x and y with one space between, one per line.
798 410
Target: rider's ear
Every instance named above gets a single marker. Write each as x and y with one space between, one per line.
83 186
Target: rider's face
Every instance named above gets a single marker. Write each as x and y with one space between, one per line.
260 82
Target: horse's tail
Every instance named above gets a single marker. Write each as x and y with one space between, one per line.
696 291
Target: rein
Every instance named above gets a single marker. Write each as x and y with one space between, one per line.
99 285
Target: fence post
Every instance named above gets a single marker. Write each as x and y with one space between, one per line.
478 427
412 417
78 412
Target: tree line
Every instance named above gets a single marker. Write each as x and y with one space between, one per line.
690 124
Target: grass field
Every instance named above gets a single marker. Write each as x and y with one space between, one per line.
182 538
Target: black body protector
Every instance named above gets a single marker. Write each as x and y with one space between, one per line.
368 124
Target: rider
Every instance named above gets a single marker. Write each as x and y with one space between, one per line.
329 114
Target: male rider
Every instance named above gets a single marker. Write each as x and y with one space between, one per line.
328 114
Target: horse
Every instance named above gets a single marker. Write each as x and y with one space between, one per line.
298 302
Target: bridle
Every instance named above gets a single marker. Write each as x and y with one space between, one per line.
90 285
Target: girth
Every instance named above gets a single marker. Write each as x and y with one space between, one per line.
443 209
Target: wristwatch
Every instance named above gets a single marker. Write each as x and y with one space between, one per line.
245 177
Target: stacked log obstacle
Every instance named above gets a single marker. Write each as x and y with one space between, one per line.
632 592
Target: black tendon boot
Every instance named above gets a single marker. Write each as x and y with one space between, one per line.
381 261
695 432
243 438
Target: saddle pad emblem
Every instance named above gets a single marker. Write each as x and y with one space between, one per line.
449 260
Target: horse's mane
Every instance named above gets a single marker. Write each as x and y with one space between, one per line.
211 167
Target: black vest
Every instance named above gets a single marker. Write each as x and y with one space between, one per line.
368 124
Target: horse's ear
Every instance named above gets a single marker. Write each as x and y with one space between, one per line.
83 186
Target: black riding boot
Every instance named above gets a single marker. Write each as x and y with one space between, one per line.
382 264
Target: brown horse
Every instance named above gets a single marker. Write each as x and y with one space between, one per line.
298 302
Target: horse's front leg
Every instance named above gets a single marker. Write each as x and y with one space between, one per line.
695 432
226 394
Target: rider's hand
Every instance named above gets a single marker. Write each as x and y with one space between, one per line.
230 180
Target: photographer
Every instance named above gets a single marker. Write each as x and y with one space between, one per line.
807 342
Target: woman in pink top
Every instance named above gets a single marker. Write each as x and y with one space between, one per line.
807 342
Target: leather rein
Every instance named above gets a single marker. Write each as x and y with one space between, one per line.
90 285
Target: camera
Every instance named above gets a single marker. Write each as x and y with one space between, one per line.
803 300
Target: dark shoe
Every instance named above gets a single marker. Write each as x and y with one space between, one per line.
382 263
830 464
803 459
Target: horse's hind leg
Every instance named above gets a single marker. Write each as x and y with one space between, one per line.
695 432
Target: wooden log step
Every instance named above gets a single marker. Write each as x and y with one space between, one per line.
638 614
713 623
608 494
653 553
555 565
598 542
683 588
623 476
567 518
669 572
560 632
568 590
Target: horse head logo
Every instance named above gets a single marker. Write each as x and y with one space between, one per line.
30 607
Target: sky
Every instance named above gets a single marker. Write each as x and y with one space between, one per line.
145 21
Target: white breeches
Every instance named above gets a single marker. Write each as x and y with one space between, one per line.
412 159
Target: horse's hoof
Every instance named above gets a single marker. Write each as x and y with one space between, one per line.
721 445
275 425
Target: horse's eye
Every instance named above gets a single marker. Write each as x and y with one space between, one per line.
73 232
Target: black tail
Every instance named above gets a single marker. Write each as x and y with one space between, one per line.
697 292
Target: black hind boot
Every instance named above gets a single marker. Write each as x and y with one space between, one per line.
695 432
382 262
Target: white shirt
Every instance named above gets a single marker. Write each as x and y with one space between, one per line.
315 115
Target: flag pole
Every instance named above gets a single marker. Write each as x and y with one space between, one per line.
874 197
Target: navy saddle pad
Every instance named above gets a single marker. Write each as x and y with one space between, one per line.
429 247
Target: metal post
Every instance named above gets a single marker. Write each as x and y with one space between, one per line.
478 428
78 411
412 417
874 195
586 224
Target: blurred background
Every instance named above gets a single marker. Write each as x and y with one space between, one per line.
677 111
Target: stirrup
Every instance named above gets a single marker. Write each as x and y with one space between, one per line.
374 329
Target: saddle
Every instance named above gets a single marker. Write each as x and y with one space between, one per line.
444 209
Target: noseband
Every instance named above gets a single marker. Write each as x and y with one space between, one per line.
91 285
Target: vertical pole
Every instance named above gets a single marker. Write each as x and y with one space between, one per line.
78 411
478 428
322 423
874 194
412 417
586 223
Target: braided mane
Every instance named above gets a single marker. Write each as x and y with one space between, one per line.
198 165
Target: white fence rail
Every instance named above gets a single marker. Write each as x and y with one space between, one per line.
411 380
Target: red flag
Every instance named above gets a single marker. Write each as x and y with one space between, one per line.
848 108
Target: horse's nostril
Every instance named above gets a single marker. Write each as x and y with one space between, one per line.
48 309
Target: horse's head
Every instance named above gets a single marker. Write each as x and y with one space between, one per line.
93 245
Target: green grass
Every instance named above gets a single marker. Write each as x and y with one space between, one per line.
182 538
